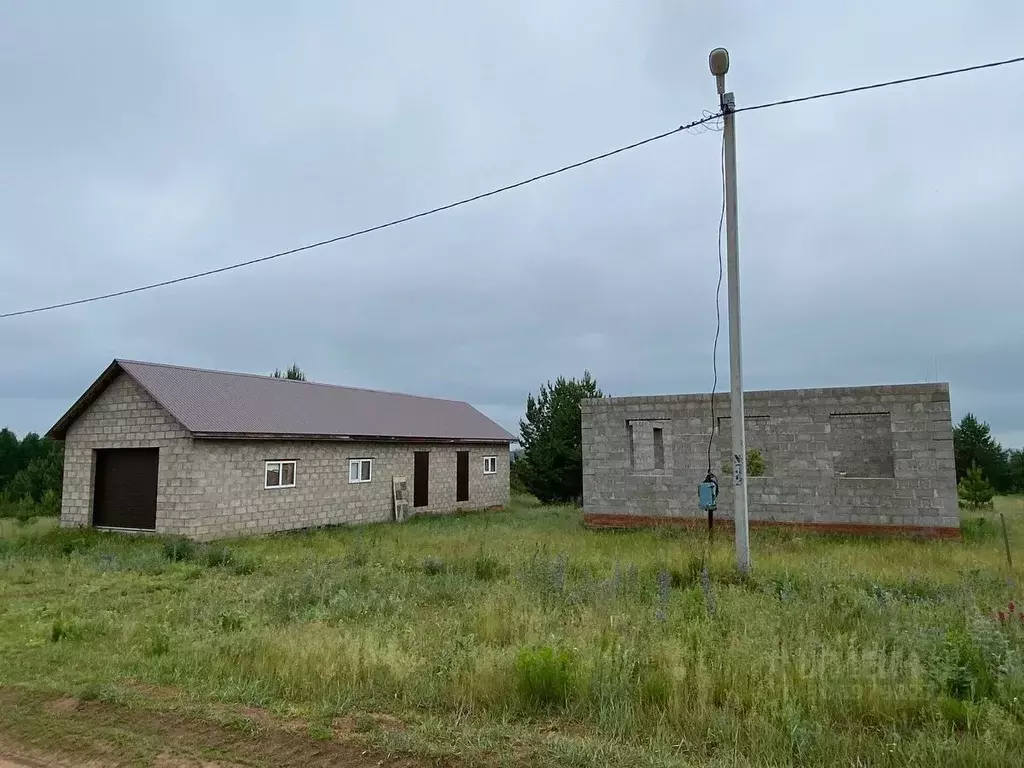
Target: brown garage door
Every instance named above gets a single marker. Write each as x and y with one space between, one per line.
125 494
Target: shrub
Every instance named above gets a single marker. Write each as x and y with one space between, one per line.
179 549
545 677
974 490
968 663
218 556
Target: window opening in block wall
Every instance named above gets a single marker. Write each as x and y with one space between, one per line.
759 438
659 448
861 444
632 456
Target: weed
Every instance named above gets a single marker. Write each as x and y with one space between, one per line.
837 652
358 555
303 593
320 731
230 621
64 629
545 677
486 567
158 641
217 556
178 549
432 566
976 528
244 565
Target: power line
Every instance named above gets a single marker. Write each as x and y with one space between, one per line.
376 228
885 84
707 118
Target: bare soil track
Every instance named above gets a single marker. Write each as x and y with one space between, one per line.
46 732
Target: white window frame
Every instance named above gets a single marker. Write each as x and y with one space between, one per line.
280 473
492 462
359 472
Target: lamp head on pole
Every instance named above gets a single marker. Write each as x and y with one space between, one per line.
718 61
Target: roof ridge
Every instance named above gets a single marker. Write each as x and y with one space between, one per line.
296 381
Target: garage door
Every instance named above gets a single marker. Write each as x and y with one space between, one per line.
125 494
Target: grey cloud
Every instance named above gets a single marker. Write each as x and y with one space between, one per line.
879 231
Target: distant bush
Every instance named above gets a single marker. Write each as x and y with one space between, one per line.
26 508
545 677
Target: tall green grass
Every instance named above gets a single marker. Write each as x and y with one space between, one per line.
491 632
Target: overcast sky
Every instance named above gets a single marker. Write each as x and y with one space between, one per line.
881 233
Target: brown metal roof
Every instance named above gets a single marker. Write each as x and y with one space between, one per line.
221 404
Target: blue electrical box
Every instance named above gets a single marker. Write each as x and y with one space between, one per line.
707 495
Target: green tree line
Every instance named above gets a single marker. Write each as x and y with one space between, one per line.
975 448
31 473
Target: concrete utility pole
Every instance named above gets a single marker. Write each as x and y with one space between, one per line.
719 63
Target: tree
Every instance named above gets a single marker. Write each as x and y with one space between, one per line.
10 456
552 439
974 491
974 446
31 474
1015 470
293 372
44 473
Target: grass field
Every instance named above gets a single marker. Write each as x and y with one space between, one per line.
518 638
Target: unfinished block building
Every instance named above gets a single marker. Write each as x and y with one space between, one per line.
851 459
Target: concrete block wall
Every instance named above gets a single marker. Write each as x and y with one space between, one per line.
229 498
210 489
856 458
125 416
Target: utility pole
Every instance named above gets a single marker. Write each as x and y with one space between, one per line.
719 63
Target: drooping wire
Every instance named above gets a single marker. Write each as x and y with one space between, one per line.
708 117
718 313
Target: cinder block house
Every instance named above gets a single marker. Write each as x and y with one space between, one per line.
850 459
210 454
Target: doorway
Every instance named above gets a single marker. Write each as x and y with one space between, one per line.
462 476
421 479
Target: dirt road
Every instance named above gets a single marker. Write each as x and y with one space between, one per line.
39 731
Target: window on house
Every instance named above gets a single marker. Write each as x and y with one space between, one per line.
360 470
659 448
490 465
279 474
